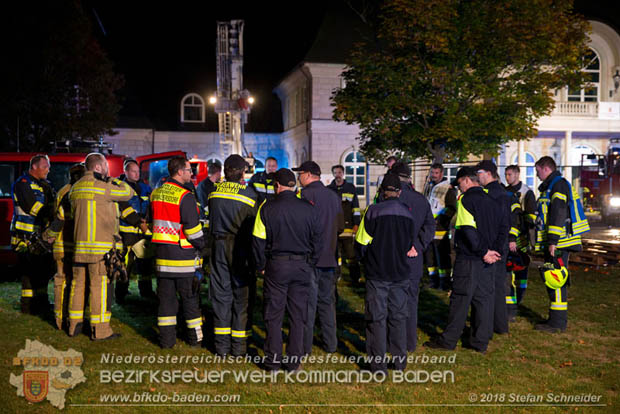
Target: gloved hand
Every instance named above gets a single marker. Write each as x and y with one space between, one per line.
197 280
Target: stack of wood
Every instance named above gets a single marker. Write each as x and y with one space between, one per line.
597 253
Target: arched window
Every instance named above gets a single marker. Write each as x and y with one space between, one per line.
192 108
355 171
592 68
582 150
528 172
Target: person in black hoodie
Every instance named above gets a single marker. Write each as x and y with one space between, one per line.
477 225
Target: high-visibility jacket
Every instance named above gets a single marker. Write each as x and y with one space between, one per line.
350 204
64 244
177 231
93 204
523 215
264 185
30 207
138 204
561 219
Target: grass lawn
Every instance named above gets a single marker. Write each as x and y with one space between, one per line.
584 360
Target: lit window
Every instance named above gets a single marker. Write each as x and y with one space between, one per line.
192 108
592 68
530 172
582 150
355 171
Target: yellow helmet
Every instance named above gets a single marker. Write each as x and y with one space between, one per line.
555 276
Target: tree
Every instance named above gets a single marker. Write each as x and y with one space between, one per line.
459 77
57 82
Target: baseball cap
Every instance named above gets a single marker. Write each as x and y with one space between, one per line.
487 165
390 182
235 162
309 166
284 177
401 169
463 172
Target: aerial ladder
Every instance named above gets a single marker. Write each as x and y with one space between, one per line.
232 102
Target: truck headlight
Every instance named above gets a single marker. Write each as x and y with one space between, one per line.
614 202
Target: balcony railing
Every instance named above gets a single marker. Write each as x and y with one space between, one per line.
586 109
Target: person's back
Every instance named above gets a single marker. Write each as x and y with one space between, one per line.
394 230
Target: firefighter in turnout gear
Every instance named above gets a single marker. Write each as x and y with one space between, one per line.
232 210
63 247
133 229
287 242
442 198
178 237
93 204
351 210
33 207
264 182
477 226
559 224
523 220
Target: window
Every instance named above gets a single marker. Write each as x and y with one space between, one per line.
530 172
449 171
576 156
592 68
7 178
192 108
355 171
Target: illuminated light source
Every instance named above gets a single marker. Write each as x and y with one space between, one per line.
212 100
251 100
614 202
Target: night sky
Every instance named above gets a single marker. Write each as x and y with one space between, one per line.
165 50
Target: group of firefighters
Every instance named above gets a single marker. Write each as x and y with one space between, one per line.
100 228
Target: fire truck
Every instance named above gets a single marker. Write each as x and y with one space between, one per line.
153 168
600 181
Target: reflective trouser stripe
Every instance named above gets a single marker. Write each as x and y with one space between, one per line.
58 307
27 293
166 320
76 314
443 272
192 323
241 334
104 315
432 271
222 331
522 284
558 304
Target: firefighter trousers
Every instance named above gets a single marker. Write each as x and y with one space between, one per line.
472 285
62 290
35 275
558 307
413 293
100 299
346 255
501 280
322 303
386 309
167 290
286 287
438 261
229 294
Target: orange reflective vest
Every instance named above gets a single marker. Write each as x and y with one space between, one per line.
165 204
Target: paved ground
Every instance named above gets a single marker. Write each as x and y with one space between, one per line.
600 231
